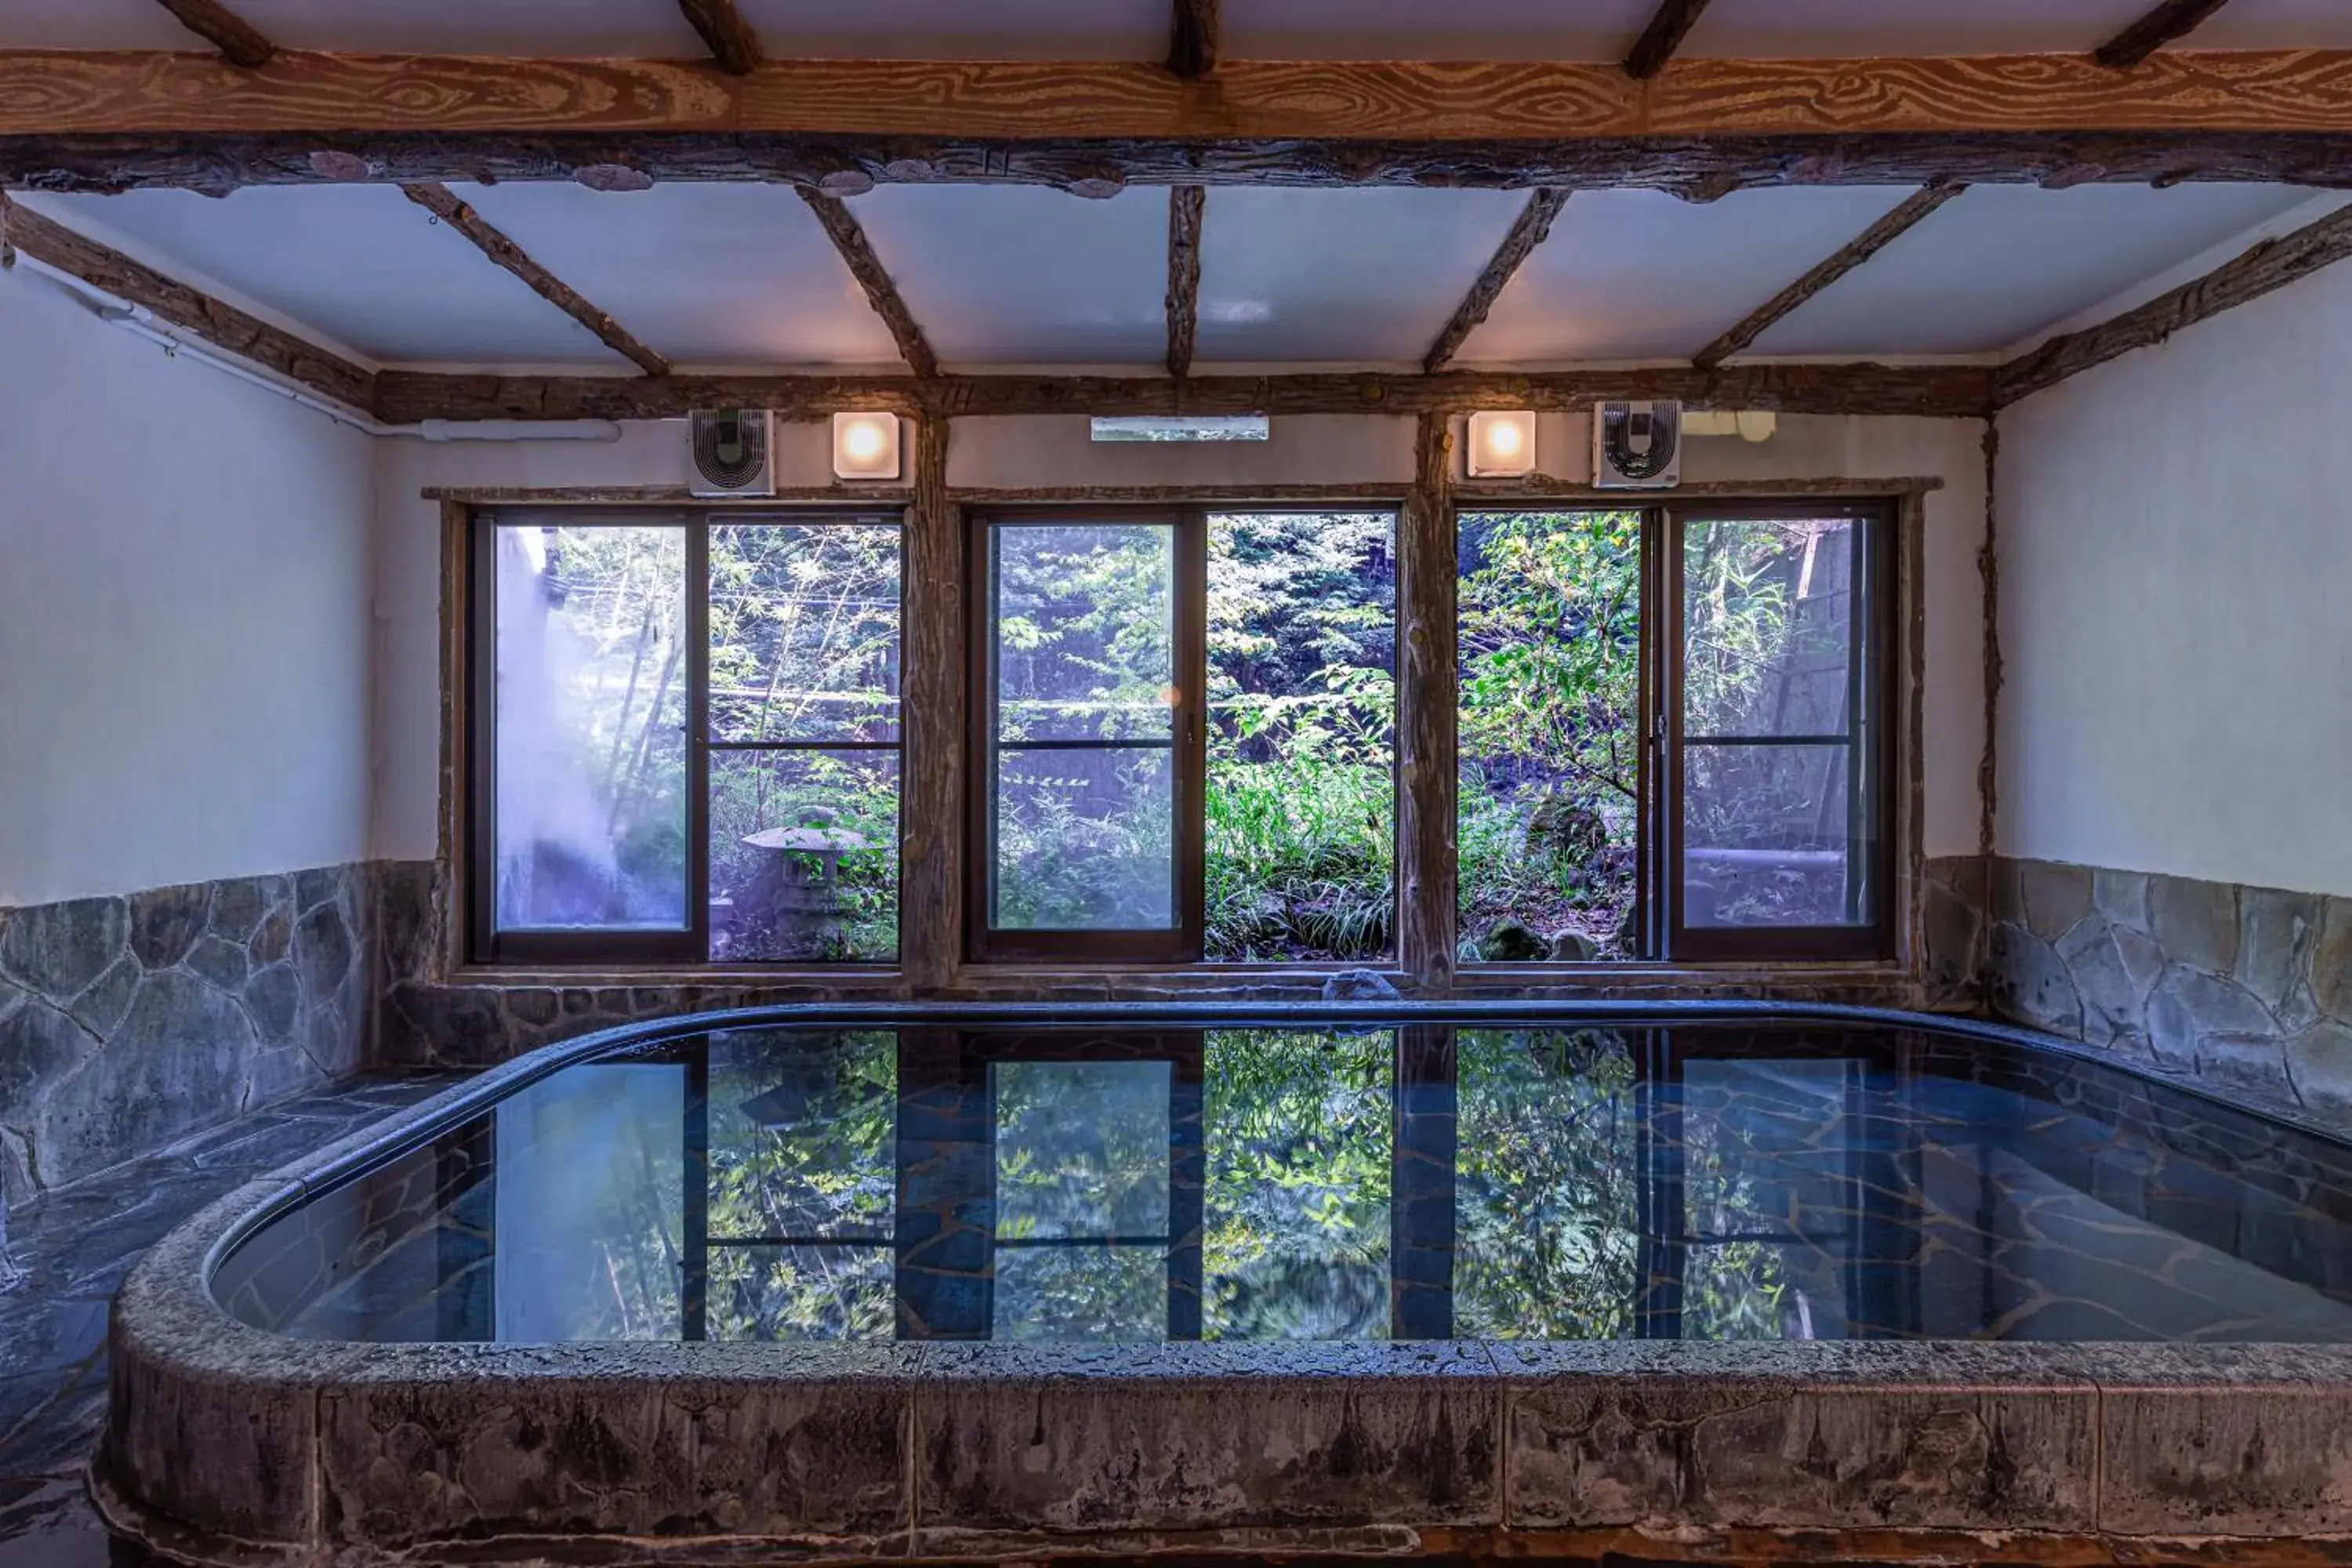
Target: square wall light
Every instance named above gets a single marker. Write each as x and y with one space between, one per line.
866 445
1502 445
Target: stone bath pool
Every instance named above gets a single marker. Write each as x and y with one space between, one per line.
1692 1282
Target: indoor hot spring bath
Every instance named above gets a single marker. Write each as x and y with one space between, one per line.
1006 1282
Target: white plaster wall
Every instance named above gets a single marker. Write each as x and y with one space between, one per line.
183 636
1017 452
2176 553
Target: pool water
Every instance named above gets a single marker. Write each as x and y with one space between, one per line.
1709 1182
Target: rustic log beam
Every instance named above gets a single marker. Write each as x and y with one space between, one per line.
1192 39
1093 106
848 237
2171 19
1186 207
1855 252
1427 879
1669 26
729 38
1527 231
443 203
1694 168
1953 390
188 310
239 41
931 775
2270 265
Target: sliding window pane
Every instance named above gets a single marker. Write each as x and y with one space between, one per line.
1768 615
1085 840
1085 632
801 1293
803 631
1550 640
1767 837
591 755
803 856
1301 806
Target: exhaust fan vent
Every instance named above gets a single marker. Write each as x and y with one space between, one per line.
728 450
1637 446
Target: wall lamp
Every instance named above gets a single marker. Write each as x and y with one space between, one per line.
866 445
1502 445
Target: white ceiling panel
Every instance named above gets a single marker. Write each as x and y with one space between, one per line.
2001 262
92 24
1641 275
1423 30
359 263
706 273
963 29
1022 274
1802 29
1339 276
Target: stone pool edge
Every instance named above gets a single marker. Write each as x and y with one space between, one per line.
231 1445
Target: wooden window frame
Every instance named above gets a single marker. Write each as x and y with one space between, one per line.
1875 713
1181 942
592 948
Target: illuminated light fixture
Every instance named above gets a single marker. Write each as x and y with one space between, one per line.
866 445
1502 445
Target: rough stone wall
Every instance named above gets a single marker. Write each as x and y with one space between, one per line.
129 1022
1952 931
2247 988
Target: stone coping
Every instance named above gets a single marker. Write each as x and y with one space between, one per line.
228 1443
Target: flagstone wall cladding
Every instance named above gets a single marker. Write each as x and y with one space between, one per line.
2248 989
128 1022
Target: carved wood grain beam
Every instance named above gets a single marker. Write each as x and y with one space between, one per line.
1527 231
1951 390
2170 20
2273 264
1857 250
933 683
729 38
1193 38
239 41
848 237
1101 103
1186 207
1669 26
443 204
185 309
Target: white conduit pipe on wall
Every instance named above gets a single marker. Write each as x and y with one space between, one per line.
140 321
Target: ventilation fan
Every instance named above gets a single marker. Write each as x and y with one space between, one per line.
729 452
1637 446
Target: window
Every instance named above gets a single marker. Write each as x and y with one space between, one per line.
1086 713
685 738
1777 740
1763 831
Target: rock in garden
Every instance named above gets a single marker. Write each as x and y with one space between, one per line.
1509 942
1573 947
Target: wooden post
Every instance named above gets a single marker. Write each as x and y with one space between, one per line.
1426 878
931 780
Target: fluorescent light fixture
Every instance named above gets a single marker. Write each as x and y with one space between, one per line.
1502 445
866 445
1202 427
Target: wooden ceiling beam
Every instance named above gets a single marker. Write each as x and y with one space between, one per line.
1186 207
1855 252
1193 38
1522 106
729 38
1527 231
2273 264
239 41
176 306
443 203
1954 391
1669 26
848 237
2170 20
